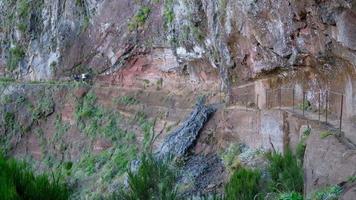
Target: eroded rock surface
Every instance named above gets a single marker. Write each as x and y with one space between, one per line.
182 139
327 162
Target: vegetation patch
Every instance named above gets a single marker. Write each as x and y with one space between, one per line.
128 100
244 184
306 105
61 128
168 12
154 179
286 172
96 121
301 146
352 179
327 193
7 80
140 18
17 181
290 196
16 54
43 107
230 154
325 134
147 127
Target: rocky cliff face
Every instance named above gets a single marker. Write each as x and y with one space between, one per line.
244 36
156 57
240 40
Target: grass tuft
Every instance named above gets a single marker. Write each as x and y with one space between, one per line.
327 193
140 18
243 185
325 134
286 173
17 181
154 179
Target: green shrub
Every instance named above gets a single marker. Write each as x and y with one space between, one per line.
325 134
88 115
306 105
327 193
7 80
9 120
68 165
351 179
154 179
16 54
86 107
300 151
286 173
23 8
93 119
168 13
301 146
140 18
18 182
243 185
61 129
127 100
290 196
43 107
230 154
146 126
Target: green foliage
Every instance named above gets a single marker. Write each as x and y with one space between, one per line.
60 127
290 196
86 22
80 3
140 18
327 193
23 8
17 181
351 179
43 107
302 145
6 99
325 134
93 119
168 12
306 105
286 173
128 100
159 83
230 154
16 54
88 115
9 120
154 179
146 127
6 80
86 107
68 165
243 185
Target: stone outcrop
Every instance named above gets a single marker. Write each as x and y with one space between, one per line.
182 139
327 162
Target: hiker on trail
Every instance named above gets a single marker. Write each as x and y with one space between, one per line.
82 77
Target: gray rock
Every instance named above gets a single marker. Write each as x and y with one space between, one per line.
180 140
